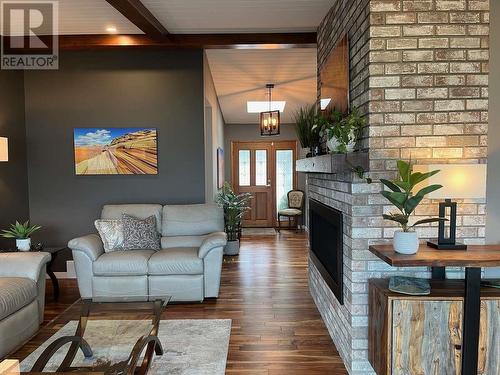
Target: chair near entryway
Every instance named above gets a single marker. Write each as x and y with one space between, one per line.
295 209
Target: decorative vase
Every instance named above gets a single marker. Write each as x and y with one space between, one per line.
232 247
23 244
333 145
405 242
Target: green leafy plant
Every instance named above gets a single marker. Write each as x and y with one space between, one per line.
401 195
306 126
235 206
20 231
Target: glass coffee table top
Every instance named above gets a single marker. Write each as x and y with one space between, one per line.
108 335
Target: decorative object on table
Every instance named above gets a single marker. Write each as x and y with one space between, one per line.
38 246
235 206
342 132
4 149
307 128
220 168
105 151
491 283
270 120
402 196
22 233
412 286
462 181
294 209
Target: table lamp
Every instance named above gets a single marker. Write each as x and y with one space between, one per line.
460 181
4 149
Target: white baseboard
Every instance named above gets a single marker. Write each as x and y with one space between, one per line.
70 271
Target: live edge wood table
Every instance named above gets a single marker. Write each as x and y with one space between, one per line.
475 257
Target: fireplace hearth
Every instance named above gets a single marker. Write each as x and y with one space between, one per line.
327 245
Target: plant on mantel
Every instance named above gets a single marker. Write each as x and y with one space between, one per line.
401 195
307 119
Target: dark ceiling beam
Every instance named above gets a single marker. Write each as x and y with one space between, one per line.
139 15
189 41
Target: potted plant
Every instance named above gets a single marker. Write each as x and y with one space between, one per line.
343 132
235 206
306 128
22 233
401 195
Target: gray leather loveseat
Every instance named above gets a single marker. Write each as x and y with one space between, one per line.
188 267
22 297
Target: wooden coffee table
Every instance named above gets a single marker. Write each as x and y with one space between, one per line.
102 311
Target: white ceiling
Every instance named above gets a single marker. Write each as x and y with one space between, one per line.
197 16
226 16
241 75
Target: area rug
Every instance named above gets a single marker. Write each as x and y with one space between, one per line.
191 347
258 232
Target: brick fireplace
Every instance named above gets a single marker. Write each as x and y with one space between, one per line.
419 72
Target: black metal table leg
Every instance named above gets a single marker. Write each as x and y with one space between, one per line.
53 278
472 311
438 273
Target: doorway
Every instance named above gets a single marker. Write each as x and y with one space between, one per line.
265 169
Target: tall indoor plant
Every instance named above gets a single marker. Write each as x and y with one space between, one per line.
402 196
307 119
22 233
235 206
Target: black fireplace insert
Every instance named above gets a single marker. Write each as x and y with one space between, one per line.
327 245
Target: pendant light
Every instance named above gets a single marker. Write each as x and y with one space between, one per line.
270 120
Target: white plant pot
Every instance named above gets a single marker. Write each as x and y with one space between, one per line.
405 242
23 244
333 145
232 248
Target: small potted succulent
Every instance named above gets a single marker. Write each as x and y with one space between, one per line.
401 195
235 206
22 233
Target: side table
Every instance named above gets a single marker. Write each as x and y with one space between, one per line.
53 251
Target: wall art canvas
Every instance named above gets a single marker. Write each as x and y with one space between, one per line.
112 151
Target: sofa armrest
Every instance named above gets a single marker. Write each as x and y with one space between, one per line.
28 264
91 245
212 241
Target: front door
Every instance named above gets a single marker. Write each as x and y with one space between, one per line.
267 171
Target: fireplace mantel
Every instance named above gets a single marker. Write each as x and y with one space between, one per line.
333 163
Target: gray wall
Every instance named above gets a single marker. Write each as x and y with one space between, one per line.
251 132
162 89
492 194
13 174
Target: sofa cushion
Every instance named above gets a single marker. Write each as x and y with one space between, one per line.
123 263
15 293
192 220
181 241
140 234
111 232
176 261
141 211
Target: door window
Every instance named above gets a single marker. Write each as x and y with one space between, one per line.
284 177
244 167
261 167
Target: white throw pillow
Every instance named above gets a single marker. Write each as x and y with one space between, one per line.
111 232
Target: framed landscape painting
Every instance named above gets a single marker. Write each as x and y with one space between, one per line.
111 151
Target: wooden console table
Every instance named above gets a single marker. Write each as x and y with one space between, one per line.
475 257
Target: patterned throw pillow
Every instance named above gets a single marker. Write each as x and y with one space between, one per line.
111 232
140 234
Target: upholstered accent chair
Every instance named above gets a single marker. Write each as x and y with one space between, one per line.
187 267
22 297
295 209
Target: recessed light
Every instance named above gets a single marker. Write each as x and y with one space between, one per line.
258 107
111 29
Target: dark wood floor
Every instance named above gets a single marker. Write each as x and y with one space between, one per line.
276 326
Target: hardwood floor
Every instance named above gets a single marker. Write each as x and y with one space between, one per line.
276 327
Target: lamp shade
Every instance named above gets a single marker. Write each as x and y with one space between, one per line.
460 181
4 149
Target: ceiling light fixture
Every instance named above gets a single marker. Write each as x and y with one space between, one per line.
270 120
